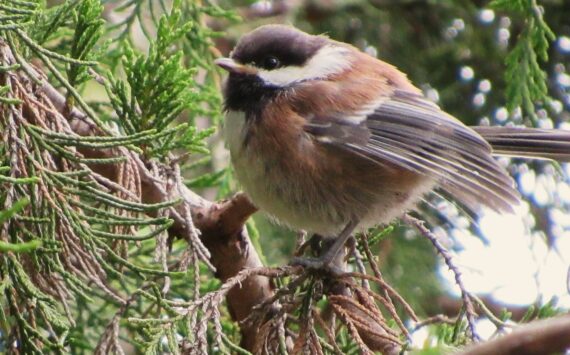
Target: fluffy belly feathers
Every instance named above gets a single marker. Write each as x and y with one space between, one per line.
304 193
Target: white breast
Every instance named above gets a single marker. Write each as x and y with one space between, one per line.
248 165
234 130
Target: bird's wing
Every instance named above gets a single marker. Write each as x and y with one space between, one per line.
411 132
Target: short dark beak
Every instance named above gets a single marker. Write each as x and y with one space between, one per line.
234 67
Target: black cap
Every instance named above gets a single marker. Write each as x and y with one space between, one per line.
289 45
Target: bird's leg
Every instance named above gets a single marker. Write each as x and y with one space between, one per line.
327 260
339 242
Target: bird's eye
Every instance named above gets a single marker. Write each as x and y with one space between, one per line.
270 62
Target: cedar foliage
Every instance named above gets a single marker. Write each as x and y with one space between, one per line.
82 253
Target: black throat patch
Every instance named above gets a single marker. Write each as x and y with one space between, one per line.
248 94
283 45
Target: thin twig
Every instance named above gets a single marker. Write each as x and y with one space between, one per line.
465 295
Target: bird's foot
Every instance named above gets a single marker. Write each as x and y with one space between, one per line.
330 260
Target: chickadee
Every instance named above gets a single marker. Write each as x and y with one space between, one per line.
326 138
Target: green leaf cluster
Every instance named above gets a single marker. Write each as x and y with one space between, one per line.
158 88
88 30
526 80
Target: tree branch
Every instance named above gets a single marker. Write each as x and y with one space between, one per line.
546 336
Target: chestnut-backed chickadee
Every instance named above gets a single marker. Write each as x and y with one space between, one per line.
326 138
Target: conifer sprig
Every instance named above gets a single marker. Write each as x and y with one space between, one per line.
525 78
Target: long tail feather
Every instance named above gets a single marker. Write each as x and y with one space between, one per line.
528 142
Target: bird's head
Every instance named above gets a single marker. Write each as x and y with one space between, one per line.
274 58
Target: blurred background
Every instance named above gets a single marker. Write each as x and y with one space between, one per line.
455 51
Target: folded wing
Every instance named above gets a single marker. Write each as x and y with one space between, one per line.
409 131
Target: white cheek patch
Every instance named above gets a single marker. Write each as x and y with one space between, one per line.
329 60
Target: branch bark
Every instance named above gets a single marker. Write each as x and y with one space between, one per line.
222 230
547 336
451 307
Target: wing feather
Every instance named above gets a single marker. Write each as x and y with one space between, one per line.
528 142
410 132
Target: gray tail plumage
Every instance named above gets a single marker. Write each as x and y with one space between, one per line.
528 142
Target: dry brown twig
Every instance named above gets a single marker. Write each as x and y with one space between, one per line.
465 295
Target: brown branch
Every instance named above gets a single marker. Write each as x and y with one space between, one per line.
547 336
222 231
451 306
